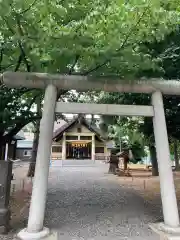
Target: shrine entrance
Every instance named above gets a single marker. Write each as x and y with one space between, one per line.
51 84
78 150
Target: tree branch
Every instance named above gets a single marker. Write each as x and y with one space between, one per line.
1 56
21 32
18 127
130 32
29 8
6 67
32 101
28 67
18 63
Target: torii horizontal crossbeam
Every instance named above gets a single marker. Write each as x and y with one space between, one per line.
84 83
104 109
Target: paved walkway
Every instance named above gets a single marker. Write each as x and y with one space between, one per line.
85 203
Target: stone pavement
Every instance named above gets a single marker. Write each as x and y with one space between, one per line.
86 203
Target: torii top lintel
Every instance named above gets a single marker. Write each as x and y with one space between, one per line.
84 83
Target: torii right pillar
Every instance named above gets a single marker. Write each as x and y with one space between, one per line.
168 195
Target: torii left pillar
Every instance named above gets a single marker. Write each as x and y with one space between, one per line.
35 228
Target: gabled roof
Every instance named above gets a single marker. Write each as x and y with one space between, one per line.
18 136
59 123
59 132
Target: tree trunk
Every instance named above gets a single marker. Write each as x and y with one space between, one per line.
32 164
125 163
154 162
177 165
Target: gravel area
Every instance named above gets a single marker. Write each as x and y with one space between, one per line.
86 203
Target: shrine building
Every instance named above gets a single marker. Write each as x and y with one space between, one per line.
79 139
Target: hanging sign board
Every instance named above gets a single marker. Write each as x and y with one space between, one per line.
79 144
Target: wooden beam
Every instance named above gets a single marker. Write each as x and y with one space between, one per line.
83 83
104 109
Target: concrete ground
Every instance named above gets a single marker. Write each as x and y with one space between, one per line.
87 203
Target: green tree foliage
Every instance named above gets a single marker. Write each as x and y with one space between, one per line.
166 54
15 111
86 36
70 37
126 135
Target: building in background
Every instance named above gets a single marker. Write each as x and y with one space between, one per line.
79 139
76 139
24 149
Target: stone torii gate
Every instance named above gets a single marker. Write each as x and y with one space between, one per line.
51 84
